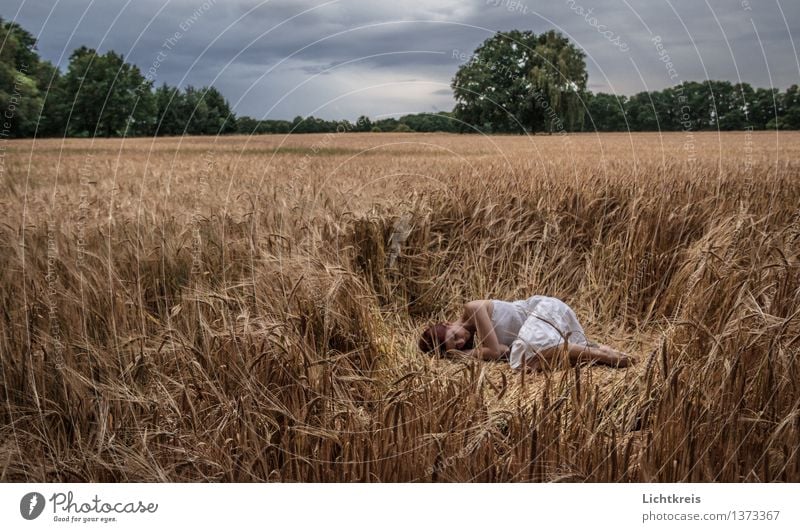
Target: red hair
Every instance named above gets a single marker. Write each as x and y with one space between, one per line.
433 339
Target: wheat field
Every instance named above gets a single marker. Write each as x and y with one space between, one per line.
247 308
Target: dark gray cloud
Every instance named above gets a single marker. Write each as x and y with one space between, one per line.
343 58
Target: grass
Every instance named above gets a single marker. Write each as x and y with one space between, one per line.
234 310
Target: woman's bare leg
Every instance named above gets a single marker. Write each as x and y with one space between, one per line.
581 353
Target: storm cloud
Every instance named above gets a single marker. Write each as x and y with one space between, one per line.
343 58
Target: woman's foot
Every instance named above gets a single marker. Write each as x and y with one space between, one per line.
534 364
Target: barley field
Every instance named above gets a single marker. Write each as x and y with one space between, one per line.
247 308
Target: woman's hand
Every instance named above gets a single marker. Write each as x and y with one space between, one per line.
483 353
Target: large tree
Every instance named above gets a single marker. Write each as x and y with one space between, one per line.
24 80
107 96
517 81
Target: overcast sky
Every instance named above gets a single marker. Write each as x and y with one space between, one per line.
343 58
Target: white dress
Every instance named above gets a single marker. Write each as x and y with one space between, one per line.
531 325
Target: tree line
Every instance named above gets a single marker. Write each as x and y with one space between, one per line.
420 122
515 82
519 82
98 95
692 105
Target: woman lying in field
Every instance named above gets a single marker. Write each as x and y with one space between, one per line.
530 332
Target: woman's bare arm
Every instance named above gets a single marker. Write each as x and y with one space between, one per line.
484 353
476 313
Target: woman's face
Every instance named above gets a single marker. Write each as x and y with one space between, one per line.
456 336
